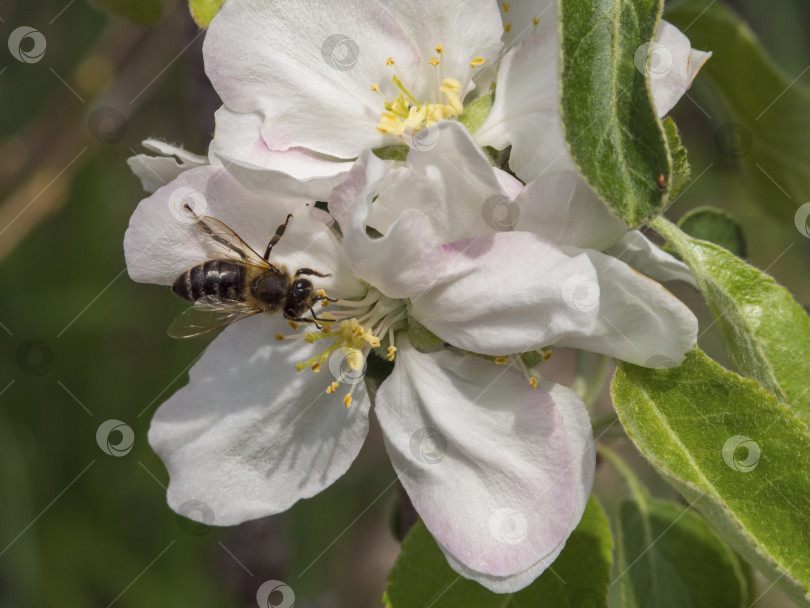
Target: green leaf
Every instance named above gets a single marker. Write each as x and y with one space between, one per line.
668 557
204 10
142 12
578 578
476 112
769 132
734 452
610 124
680 164
716 226
765 331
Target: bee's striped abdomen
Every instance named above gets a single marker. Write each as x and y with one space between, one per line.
219 278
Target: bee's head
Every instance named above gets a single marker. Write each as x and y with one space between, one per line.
300 297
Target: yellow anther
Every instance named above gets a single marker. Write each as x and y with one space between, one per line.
533 382
389 61
506 7
439 49
347 400
501 360
477 61
316 367
547 355
392 352
450 84
507 27
332 388
434 61
279 337
375 88
293 324
535 21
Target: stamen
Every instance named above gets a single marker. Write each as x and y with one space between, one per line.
477 61
332 388
501 360
506 7
316 367
389 61
280 337
440 49
535 21
507 27
293 325
533 382
546 355
434 61
347 400
375 88
392 351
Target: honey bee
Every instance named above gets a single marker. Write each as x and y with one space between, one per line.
241 284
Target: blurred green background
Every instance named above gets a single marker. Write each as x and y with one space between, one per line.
82 344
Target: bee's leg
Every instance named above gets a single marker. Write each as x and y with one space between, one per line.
216 237
276 237
309 271
313 320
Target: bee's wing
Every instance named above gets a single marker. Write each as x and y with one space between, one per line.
207 315
230 243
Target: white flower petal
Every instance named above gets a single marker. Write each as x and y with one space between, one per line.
293 173
249 436
645 256
404 262
673 65
583 451
514 292
522 15
486 460
473 30
562 208
161 242
308 73
449 183
157 171
526 112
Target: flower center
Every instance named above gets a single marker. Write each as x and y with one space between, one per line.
405 114
351 333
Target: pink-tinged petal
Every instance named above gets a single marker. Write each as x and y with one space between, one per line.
404 262
308 73
249 436
526 112
515 292
157 171
163 239
526 18
293 173
583 452
672 66
645 256
562 208
485 458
